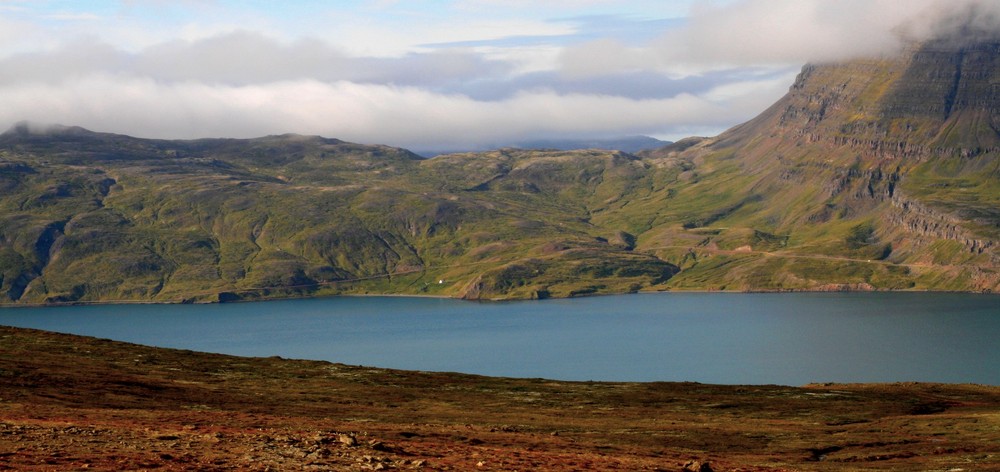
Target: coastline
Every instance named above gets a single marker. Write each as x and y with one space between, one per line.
512 299
696 336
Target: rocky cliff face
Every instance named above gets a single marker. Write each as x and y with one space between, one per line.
925 222
936 98
909 143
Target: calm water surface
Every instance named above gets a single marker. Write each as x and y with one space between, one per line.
787 339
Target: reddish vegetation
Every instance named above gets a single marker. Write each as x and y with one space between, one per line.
75 403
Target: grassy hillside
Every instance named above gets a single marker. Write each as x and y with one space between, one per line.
874 174
101 217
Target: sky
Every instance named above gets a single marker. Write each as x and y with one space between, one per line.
433 74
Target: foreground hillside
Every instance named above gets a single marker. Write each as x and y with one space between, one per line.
874 174
73 403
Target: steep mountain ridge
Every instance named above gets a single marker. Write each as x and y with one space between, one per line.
904 146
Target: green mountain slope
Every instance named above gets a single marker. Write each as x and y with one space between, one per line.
873 174
892 161
89 216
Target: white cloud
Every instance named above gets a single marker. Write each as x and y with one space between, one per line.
18 36
367 37
601 57
246 57
406 116
782 31
768 87
369 74
722 35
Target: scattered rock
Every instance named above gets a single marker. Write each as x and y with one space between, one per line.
695 466
379 446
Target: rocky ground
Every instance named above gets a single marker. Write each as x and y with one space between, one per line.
76 403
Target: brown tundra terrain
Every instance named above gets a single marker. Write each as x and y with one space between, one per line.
80 403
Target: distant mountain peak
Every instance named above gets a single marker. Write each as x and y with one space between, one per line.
34 128
629 144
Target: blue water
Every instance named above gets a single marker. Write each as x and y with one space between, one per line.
786 339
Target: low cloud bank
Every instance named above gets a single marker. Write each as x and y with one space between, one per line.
720 66
405 116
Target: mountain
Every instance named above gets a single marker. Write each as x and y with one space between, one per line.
891 159
93 216
630 144
870 174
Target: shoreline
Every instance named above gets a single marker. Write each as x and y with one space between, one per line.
486 300
650 339
26 331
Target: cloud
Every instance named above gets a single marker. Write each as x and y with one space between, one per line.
85 56
601 57
246 57
781 31
16 35
719 36
485 80
634 84
361 35
239 57
406 116
966 20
